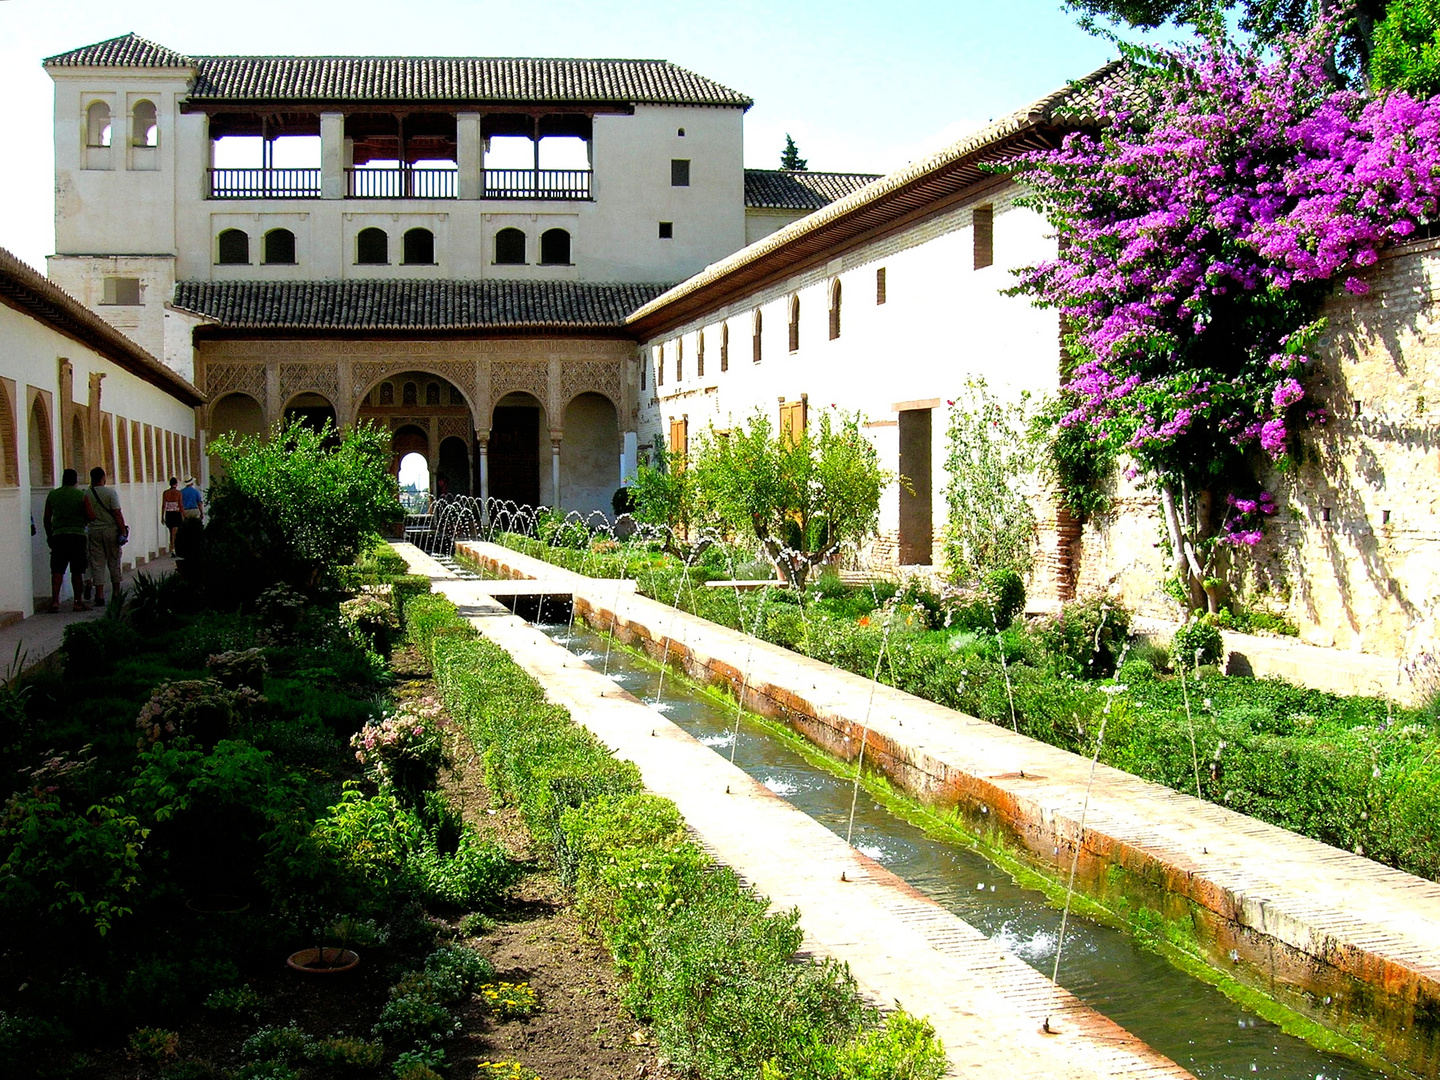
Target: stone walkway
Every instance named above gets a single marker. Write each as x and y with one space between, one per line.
987 1005
34 640
1338 937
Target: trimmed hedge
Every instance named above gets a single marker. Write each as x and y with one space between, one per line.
1353 772
706 963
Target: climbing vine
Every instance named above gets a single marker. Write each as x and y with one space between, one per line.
1201 228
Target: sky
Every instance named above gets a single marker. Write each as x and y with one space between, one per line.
861 86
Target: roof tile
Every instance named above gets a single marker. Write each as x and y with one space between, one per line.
127 50
414 305
783 189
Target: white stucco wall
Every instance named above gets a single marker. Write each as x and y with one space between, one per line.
30 363
139 201
942 322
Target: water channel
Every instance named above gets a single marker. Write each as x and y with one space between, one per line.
1180 1016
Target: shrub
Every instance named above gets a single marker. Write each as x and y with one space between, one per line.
1086 638
295 505
1198 642
904 1049
508 1000
404 750
281 608
1006 591
91 647
153 1045
238 669
343 1054
414 1017
283 1044
201 709
457 971
407 586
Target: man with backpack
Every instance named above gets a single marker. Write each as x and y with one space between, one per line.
106 535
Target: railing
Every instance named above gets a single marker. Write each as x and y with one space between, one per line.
537 184
401 183
404 183
264 183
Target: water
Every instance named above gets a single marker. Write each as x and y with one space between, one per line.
1181 1017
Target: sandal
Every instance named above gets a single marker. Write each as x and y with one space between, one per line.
79 605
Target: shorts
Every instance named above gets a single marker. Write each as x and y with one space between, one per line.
69 550
173 519
193 513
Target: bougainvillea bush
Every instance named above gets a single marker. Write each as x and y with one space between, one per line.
1201 227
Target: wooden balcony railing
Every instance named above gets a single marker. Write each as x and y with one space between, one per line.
264 183
401 183
537 184
405 183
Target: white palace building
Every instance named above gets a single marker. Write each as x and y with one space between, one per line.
528 269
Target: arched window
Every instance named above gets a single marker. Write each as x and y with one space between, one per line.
725 346
407 394
372 248
419 247
555 248
137 457
280 247
122 443
509 248
834 309
679 359
97 124
144 131
794 323
233 248
659 366
387 393
700 354
9 440
432 394
107 445
42 446
755 338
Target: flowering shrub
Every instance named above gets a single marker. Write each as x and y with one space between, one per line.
280 608
1199 236
507 1000
239 668
372 616
201 709
404 750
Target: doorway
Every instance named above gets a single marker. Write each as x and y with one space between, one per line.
917 535
514 454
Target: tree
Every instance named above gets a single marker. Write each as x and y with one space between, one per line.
990 524
663 495
1199 235
296 505
801 498
1269 21
790 157
1407 49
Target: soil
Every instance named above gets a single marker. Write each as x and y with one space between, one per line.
578 1031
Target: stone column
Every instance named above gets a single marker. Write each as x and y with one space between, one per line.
469 156
555 470
332 155
482 440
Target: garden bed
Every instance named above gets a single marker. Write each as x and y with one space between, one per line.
1359 773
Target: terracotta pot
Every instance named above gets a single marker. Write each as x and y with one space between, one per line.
322 961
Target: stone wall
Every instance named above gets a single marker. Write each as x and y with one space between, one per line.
1352 555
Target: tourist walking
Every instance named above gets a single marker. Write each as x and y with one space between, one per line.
192 506
171 505
107 533
65 519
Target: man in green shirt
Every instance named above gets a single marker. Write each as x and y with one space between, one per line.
66 515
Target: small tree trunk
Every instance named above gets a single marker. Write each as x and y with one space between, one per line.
1184 561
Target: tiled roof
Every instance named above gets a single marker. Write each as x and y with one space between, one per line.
782 189
413 305
127 50
416 78
25 288
1081 103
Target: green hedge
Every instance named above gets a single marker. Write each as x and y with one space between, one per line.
706 963
1348 771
